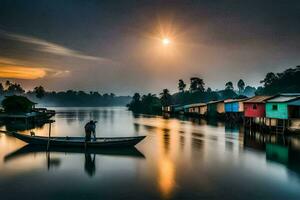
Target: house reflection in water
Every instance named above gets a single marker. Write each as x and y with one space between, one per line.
279 149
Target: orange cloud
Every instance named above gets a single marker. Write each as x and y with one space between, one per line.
23 72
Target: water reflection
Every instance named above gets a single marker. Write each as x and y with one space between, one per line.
187 158
22 126
52 162
278 148
89 155
89 165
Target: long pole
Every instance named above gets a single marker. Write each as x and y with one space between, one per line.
48 145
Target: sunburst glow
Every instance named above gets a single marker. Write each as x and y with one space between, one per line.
166 41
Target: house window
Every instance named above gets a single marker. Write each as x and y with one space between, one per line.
275 107
254 107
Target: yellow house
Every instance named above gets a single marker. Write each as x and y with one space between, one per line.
197 108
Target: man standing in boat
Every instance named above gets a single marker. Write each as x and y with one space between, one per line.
90 128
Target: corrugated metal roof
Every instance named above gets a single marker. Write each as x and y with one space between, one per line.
283 98
219 101
289 94
294 103
194 105
258 99
234 100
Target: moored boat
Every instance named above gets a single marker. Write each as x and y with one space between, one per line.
100 142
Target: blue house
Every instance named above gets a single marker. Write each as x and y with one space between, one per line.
234 105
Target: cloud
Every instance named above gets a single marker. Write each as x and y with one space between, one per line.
20 72
50 47
19 69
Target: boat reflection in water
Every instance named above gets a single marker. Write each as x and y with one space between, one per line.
89 154
187 158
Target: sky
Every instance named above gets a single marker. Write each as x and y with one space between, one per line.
117 46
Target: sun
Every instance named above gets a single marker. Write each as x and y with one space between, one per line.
166 41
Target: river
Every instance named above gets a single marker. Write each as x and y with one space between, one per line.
179 159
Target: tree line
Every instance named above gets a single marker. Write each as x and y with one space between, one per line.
63 98
287 81
273 83
197 93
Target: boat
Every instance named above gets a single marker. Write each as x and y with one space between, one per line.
100 142
33 149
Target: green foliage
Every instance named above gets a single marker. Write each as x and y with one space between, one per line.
148 104
229 86
17 104
79 98
202 97
241 86
1 89
181 85
14 89
197 84
40 92
286 82
64 98
249 91
165 98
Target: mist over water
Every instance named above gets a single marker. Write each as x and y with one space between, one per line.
179 159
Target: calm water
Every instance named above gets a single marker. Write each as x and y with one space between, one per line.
179 159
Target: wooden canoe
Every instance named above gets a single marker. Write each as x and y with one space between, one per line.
79 141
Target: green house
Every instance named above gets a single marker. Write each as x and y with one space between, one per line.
215 108
283 106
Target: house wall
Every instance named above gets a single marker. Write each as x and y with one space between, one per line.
249 111
280 113
202 110
220 108
194 110
234 107
228 107
166 108
241 106
212 109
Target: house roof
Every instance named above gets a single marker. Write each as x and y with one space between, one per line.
212 102
285 97
258 99
294 102
195 105
20 98
234 100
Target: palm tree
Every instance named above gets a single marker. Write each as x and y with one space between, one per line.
181 85
197 84
136 97
229 86
39 92
241 86
165 97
